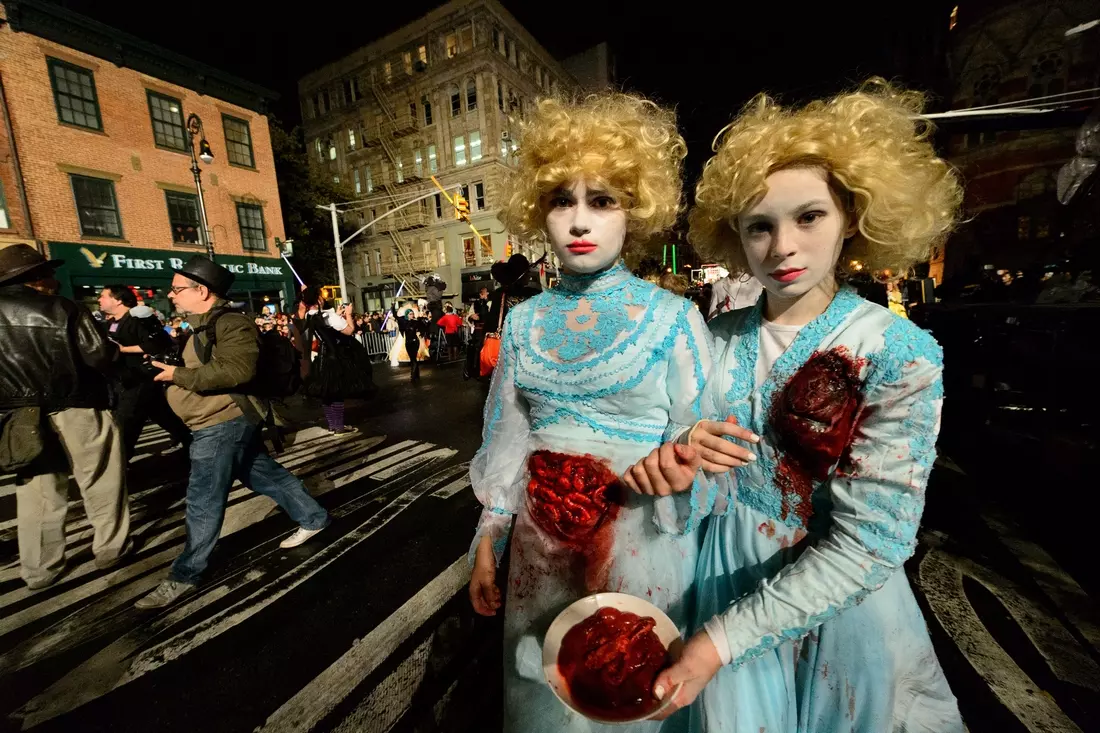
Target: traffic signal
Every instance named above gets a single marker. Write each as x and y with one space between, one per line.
508 248
462 208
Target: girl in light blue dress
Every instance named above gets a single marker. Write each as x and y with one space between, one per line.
806 619
602 364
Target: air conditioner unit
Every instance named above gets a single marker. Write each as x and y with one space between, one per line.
505 135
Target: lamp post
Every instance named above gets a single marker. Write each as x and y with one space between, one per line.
194 127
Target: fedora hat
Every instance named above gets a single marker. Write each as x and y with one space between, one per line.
512 271
19 259
205 272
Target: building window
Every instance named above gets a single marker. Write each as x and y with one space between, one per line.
238 142
479 195
320 150
336 179
1023 227
456 101
460 150
96 206
370 180
412 113
251 220
407 59
351 138
327 100
512 51
418 163
475 146
441 248
427 113
74 94
422 54
167 117
500 95
469 254
400 170
378 261
433 163
358 183
523 62
466 38
452 45
496 38
438 206
348 99
366 265
183 215
5 222
503 147
332 150
387 72
317 104
471 95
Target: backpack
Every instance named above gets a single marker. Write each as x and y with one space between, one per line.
277 369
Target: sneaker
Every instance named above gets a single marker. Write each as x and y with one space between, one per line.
169 591
298 537
346 430
46 582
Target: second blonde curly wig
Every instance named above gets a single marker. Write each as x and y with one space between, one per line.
876 153
619 140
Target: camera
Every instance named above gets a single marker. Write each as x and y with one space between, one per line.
171 357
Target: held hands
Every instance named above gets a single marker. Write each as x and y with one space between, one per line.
718 454
484 594
698 663
666 470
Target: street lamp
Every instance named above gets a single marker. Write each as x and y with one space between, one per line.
194 127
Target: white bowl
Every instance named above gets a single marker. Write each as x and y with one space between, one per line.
580 610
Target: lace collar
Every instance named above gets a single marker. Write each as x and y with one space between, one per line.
612 278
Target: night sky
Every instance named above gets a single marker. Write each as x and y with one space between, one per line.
706 58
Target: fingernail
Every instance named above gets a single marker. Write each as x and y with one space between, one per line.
752 456
659 692
755 438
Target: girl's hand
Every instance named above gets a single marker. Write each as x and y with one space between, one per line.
666 470
696 666
719 455
484 593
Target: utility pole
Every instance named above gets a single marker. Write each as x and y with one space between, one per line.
339 253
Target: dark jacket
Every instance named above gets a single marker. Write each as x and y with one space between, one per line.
147 333
506 298
53 355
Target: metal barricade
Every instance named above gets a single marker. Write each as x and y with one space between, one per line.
378 344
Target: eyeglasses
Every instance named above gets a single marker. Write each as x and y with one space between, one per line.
175 289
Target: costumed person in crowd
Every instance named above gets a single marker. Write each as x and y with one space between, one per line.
805 612
332 376
411 326
733 292
593 375
480 319
433 293
451 323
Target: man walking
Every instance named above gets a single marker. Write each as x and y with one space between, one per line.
53 361
140 398
209 394
480 318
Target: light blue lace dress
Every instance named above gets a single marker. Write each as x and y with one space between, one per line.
823 630
607 365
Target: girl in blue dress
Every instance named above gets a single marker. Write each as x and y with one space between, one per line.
604 365
807 621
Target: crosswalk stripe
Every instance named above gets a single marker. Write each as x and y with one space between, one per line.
313 702
452 488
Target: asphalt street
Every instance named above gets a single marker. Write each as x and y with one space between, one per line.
367 628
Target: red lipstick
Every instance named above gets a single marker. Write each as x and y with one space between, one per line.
787 276
581 247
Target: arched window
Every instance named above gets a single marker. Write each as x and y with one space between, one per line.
1048 74
456 101
1034 185
471 95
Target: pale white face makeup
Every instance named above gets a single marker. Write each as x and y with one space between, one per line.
587 227
793 236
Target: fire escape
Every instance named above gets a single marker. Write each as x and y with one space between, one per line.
408 267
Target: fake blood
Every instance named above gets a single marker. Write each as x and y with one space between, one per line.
575 499
610 662
814 419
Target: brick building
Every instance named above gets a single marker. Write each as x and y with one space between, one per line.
95 162
1004 52
440 96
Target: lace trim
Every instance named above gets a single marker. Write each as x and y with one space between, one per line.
588 284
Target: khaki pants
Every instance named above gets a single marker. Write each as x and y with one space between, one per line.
93 444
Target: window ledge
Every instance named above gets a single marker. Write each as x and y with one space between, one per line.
112 240
242 166
167 149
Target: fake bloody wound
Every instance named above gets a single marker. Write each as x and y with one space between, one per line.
610 662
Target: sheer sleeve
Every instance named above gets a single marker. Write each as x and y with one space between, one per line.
878 498
498 469
690 361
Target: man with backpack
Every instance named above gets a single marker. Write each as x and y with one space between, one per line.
216 395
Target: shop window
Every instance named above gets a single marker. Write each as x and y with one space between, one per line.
183 215
74 94
96 206
251 220
166 114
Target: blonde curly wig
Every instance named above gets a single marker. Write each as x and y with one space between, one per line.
621 141
877 156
